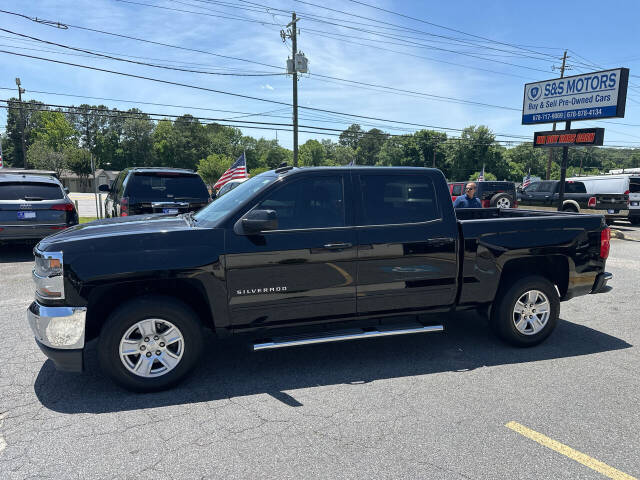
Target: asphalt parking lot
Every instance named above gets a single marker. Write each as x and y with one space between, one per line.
423 406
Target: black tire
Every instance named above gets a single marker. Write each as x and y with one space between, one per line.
502 314
501 200
127 315
609 221
570 208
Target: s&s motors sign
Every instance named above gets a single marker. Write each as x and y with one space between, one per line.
580 97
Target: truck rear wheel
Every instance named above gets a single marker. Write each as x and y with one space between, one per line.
150 343
526 313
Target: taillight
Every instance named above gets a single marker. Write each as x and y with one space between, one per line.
486 203
605 243
66 207
515 204
58 227
592 202
124 206
628 201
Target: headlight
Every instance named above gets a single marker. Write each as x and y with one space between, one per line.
48 274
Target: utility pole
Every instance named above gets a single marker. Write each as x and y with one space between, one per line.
294 50
22 123
297 64
549 160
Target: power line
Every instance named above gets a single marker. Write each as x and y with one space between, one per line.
353 82
110 57
439 26
353 28
249 97
153 42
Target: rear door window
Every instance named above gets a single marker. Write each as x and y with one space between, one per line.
30 191
634 185
546 187
575 187
169 186
397 199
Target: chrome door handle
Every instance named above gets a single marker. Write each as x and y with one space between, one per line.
337 246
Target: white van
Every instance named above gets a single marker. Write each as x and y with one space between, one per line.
628 183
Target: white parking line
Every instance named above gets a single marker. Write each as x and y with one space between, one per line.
3 443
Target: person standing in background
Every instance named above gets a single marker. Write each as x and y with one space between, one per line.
468 200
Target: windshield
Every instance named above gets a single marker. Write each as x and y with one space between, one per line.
227 203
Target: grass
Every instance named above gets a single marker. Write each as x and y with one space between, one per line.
87 219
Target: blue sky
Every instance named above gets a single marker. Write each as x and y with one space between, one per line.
598 33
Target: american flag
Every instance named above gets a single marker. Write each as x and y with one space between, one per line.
527 181
481 177
237 170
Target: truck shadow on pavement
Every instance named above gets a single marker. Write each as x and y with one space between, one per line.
228 369
16 252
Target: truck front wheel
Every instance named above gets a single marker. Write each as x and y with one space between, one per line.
525 313
150 343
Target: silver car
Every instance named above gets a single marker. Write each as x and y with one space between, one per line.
32 207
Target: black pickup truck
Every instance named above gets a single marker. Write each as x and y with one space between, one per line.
305 255
544 195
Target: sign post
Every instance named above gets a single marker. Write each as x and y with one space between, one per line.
588 96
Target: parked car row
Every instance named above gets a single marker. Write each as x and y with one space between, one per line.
614 196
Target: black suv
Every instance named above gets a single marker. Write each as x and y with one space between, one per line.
140 190
33 206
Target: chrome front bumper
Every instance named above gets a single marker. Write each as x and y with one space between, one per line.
58 327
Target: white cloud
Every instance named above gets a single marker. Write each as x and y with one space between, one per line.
267 87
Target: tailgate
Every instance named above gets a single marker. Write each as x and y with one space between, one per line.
30 213
612 201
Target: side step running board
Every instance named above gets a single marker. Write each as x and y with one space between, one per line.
343 335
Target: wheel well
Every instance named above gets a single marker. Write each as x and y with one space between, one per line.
554 268
570 206
104 300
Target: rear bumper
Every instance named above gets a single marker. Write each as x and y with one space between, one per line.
600 285
29 232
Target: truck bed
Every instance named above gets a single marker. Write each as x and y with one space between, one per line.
491 237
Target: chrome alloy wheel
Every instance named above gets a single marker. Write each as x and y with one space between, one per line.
151 347
531 312
503 203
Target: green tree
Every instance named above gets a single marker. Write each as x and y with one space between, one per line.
401 151
351 136
55 131
31 111
487 176
312 154
78 160
43 156
136 141
369 146
212 167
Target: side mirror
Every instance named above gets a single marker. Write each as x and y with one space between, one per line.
257 221
104 188
66 190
